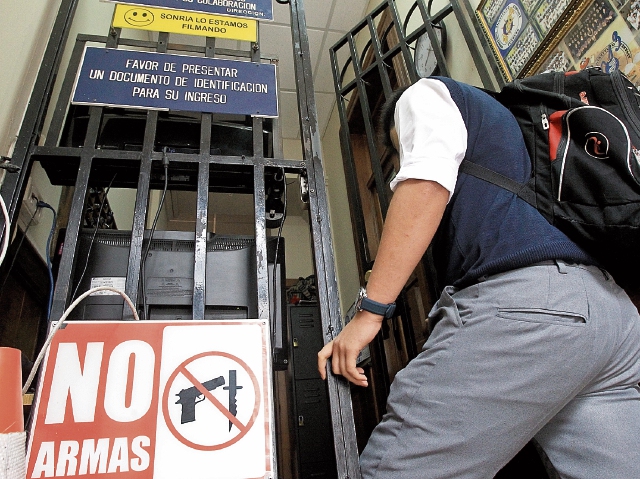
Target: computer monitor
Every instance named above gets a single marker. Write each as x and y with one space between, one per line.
231 284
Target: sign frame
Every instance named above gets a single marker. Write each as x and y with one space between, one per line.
255 9
67 442
163 81
184 22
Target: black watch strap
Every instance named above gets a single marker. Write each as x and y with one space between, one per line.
366 304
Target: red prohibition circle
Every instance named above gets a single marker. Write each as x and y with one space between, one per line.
165 403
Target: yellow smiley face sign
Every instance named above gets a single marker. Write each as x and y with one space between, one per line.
187 23
138 17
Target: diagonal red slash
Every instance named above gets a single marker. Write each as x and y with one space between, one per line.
165 402
236 422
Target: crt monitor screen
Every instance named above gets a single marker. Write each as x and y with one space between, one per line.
231 284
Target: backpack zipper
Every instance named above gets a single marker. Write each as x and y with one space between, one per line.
544 119
628 109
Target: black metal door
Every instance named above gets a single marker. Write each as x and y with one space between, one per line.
82 162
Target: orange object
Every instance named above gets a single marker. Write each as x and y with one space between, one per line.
11 418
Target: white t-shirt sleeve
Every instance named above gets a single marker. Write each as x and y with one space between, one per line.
431 133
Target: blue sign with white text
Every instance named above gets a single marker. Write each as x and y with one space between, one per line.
256 9
160 81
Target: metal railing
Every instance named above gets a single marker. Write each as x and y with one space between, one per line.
148 160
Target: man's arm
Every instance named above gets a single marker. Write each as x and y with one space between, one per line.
413 217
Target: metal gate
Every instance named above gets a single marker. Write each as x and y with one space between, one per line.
375 58
88 163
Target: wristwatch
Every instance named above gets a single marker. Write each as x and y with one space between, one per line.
365 304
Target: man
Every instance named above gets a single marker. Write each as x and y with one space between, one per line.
530 338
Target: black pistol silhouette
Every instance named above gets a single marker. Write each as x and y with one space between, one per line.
188 398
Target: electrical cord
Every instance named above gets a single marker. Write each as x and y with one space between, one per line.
42 204
275 259
5 230
93 238
165 163
284 216
61 321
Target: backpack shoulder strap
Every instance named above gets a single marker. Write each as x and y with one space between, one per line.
522 190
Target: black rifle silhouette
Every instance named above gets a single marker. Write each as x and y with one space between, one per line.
191 396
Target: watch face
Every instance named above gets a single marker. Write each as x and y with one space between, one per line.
425 57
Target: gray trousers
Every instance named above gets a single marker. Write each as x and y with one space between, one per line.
551 351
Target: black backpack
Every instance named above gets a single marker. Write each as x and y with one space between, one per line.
582 131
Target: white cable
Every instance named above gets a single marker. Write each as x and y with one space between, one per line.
43 351
5 242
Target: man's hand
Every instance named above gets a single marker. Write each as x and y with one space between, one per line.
344 349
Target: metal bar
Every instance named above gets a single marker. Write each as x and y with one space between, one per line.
202 207
138 226
200 266
210 47
442 14
134 264
259 202
278 151
408 59
435 44
262 268
357 216
65 271
262 271
388 54
377 51
202 215
258 140
259 206
374 156
41 152
13 186
130 42
74 152
64 98
345 445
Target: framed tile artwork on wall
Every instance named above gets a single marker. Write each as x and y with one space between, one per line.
606 35
523 33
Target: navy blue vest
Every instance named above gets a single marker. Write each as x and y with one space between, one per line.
486 229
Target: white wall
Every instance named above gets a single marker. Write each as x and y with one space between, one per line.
23 36
296 230
298 252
